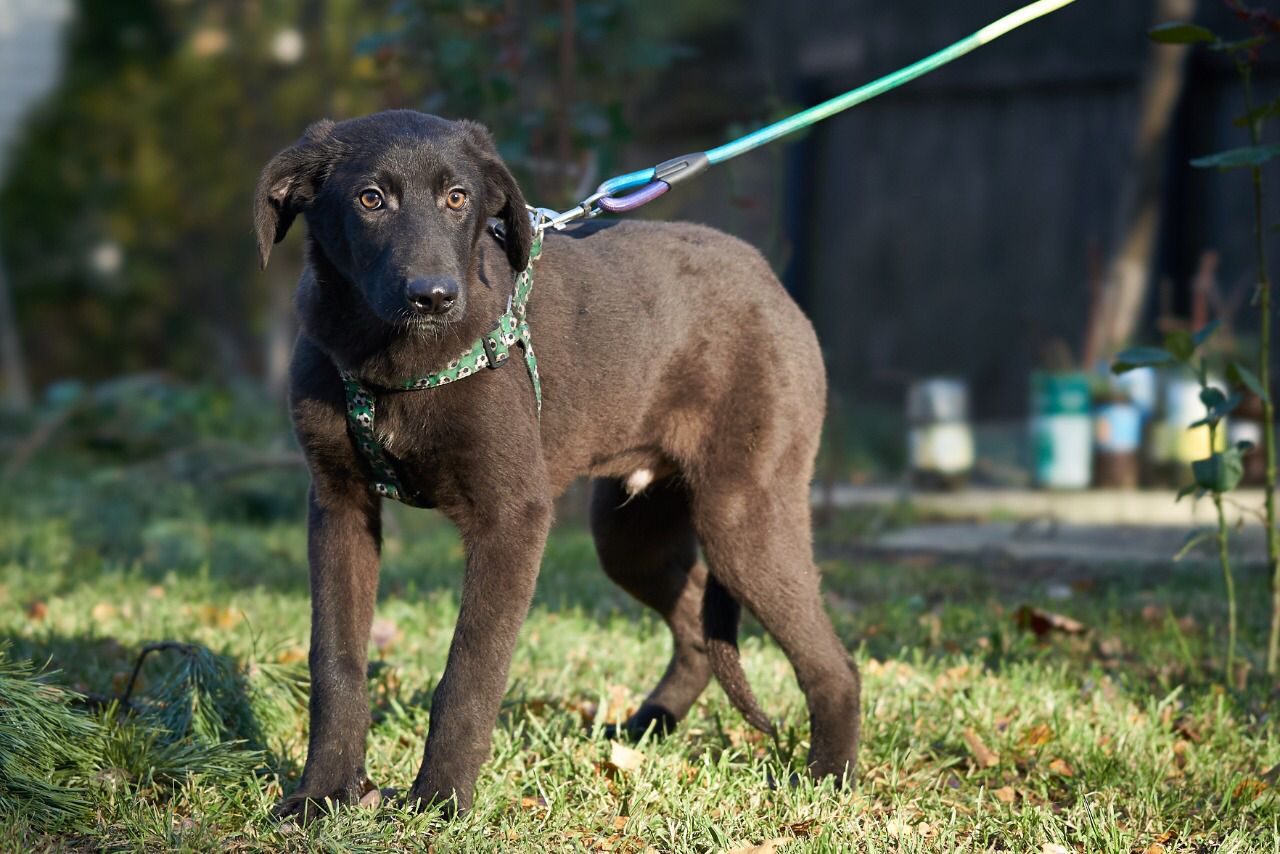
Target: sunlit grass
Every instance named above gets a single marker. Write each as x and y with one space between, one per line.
1115 740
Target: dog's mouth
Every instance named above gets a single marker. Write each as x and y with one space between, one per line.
413 321
404 317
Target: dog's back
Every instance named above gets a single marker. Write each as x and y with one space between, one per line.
660 337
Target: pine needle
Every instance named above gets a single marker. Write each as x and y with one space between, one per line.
48 750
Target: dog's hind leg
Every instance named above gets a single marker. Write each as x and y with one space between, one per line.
647 546
757 543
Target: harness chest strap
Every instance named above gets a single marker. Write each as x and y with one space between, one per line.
491 350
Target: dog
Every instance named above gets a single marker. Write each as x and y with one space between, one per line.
675 372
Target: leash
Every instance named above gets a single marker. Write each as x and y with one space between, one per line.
646 185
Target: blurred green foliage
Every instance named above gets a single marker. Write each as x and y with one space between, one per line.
125 216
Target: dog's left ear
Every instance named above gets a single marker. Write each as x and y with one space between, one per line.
504 198
289 183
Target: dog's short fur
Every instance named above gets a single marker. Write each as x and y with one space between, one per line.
676 371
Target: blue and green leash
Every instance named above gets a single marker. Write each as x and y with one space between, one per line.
491 350
645 185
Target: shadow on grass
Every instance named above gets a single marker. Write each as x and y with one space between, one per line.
172 710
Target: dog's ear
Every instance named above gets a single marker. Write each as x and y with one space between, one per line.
516 228
289 183
505 200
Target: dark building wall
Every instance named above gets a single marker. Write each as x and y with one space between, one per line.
947 227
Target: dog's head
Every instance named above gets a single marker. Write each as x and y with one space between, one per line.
395 202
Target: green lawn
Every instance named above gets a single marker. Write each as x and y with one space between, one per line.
977 736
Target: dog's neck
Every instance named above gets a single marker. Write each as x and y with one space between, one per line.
334 314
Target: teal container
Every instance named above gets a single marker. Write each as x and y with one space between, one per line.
1061 430
1060 394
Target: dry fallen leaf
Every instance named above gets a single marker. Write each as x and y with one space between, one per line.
383 633
984 755
1247 790
1154 848
1187 728
803 829
292 655
1046 622
1037 736
1060 767
953 677
1054 848
1111 648
624 758
222 618
618 704
1005 794
102 612
769 846
620 822
37 610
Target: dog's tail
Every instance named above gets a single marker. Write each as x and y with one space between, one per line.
720 613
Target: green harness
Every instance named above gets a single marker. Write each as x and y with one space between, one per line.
491 350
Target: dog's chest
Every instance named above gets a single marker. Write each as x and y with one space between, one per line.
410 435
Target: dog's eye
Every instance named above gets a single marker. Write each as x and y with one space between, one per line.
371 200
456 200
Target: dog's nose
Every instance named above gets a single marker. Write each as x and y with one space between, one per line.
431 296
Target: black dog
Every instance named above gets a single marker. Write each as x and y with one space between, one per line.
675 370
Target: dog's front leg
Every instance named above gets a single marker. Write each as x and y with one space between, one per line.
504 550
343 542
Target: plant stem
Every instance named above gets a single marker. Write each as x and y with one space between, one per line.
1224 558
1227 579
1264 377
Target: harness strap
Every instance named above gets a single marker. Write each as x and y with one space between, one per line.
491 350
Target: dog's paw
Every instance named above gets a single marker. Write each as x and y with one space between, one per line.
309 802
647 718
426 799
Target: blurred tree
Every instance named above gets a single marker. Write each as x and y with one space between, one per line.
1129 270
125 214
557 81
126 211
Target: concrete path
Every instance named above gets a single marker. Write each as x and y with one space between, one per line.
1086 507
1083 544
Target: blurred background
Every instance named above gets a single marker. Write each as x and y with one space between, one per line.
972 248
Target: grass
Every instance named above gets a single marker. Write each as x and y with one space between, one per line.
978 735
